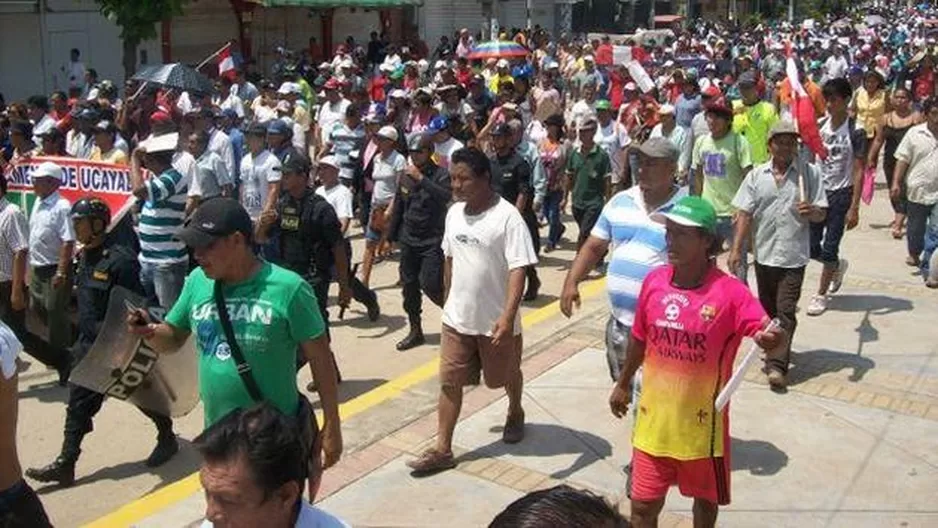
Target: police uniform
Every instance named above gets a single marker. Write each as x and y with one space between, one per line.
419 222
100 269
308 231
512 177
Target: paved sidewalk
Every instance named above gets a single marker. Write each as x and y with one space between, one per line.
853 443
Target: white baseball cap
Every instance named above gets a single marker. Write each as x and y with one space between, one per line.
502 63
589 58
388 132
161 143
47 170
397 93
329 161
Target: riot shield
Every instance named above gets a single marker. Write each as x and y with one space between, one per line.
121 366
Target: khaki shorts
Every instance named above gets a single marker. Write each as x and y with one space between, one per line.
463 358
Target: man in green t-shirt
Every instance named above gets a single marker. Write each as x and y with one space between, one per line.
753 118
589 173
721 160
273 312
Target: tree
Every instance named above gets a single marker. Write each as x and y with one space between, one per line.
137 20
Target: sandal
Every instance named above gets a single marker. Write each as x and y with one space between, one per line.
431 461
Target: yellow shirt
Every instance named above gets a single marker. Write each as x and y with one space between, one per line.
115 156
871 111
498 79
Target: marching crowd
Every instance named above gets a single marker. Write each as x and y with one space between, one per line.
715 145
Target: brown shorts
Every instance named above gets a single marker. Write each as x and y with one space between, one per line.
464 357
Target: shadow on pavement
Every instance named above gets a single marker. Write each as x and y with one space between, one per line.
183 464
46 392
546 440
350 389
757 456
390 323
813 363
545 261
874 304
543 299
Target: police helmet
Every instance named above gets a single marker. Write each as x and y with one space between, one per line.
91 207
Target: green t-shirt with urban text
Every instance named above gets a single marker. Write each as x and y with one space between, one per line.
271 314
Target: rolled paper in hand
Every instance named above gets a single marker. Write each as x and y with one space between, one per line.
737 378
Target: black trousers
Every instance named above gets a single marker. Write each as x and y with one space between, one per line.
779 292
586 218
20 507
421 268
33 345
84 404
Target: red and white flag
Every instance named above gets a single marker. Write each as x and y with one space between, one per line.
226 63
802 110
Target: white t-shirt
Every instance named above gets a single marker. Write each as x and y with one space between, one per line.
331 114
309 517
837 169
484 249
339 197
211 176
386 174
184 163
256 174
444 151
613 138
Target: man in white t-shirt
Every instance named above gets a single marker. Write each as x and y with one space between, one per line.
340 198
260 174
444 144
487 246
265 487
612 137
331 113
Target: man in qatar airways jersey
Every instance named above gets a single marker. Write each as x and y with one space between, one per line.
689 322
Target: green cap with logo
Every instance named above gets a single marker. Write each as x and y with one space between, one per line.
602 104
691 211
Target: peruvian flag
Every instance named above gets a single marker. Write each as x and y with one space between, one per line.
802 110
226 63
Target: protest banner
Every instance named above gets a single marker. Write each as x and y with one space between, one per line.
640 76
621 54
107 181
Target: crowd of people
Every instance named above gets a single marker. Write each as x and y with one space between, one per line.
692 156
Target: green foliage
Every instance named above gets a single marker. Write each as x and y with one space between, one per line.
138 18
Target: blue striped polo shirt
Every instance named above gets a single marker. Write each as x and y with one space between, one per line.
638 246
161 217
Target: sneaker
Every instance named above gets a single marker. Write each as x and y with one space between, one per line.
777 380
60 471
818 305
838 279
514 429
431 461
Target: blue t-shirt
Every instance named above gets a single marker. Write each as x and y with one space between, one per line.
686 108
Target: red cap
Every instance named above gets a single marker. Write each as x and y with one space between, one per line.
720 106
160 116
332 84
712 91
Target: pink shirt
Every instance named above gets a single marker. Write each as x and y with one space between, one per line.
691 338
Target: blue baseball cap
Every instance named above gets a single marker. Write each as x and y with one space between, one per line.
437 124
278 126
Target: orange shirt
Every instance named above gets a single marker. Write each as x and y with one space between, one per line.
814 92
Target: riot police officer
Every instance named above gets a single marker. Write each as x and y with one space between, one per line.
103 264
512 179
310 236
419 220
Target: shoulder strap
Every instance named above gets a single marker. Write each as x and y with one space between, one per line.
244 368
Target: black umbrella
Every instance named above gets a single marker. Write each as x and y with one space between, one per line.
177 76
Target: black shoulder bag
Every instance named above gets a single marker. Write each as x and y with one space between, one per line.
305 417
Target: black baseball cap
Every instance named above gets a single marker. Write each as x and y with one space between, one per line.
216 218
296 164
501 129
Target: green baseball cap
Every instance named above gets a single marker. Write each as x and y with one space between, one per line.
691 211
602 104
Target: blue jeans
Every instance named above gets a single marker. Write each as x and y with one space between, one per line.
726 231
552 212
162 283
922 232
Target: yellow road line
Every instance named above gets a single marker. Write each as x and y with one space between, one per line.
170 494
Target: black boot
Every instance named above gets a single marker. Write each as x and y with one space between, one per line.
374 309
61 471
166 447
414 338
534 286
